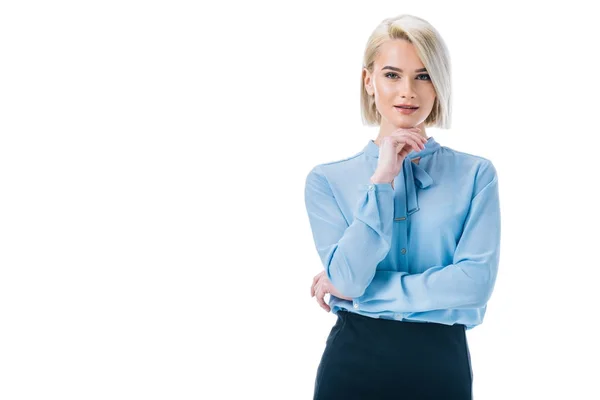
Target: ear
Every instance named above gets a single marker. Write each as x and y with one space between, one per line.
367 81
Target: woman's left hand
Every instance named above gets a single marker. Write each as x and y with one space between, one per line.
321 286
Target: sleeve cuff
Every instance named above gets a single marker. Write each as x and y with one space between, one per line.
378 187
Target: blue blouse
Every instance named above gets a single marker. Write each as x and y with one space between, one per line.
426 250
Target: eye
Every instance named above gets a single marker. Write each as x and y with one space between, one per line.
427 77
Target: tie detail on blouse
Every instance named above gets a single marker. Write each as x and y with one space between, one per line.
414 175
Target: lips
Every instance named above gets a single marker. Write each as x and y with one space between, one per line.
408 107
406 111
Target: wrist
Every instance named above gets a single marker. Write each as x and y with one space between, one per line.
376 178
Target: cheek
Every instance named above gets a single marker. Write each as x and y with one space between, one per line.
428 97
426 89
431 93
386 90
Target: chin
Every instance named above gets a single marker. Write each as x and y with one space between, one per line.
407 123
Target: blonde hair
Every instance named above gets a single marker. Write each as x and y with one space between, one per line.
433 54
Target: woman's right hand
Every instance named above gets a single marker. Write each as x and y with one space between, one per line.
393 150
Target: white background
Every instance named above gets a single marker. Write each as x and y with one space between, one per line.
153 238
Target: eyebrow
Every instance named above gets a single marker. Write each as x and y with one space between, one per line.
400 70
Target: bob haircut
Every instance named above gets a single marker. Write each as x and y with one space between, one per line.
433 53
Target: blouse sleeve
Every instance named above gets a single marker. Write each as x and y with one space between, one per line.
350 252
466 283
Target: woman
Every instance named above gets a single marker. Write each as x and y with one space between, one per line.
408 232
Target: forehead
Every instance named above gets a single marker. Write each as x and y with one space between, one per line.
398 53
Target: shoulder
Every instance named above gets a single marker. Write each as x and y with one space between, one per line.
321 172
480 169
468 158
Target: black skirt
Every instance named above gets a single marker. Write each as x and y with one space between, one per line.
373 359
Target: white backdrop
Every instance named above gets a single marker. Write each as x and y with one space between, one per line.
154 241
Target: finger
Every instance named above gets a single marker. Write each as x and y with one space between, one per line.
317 277
410 142
420 138
417 144
401 147
407 131
420 146
402 136
320 291
315 284
321 300
316 288
403 153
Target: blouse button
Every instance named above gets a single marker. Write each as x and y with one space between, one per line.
371 187
403 251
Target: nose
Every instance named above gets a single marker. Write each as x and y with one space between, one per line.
406 89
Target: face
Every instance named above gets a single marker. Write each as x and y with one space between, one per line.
392 87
